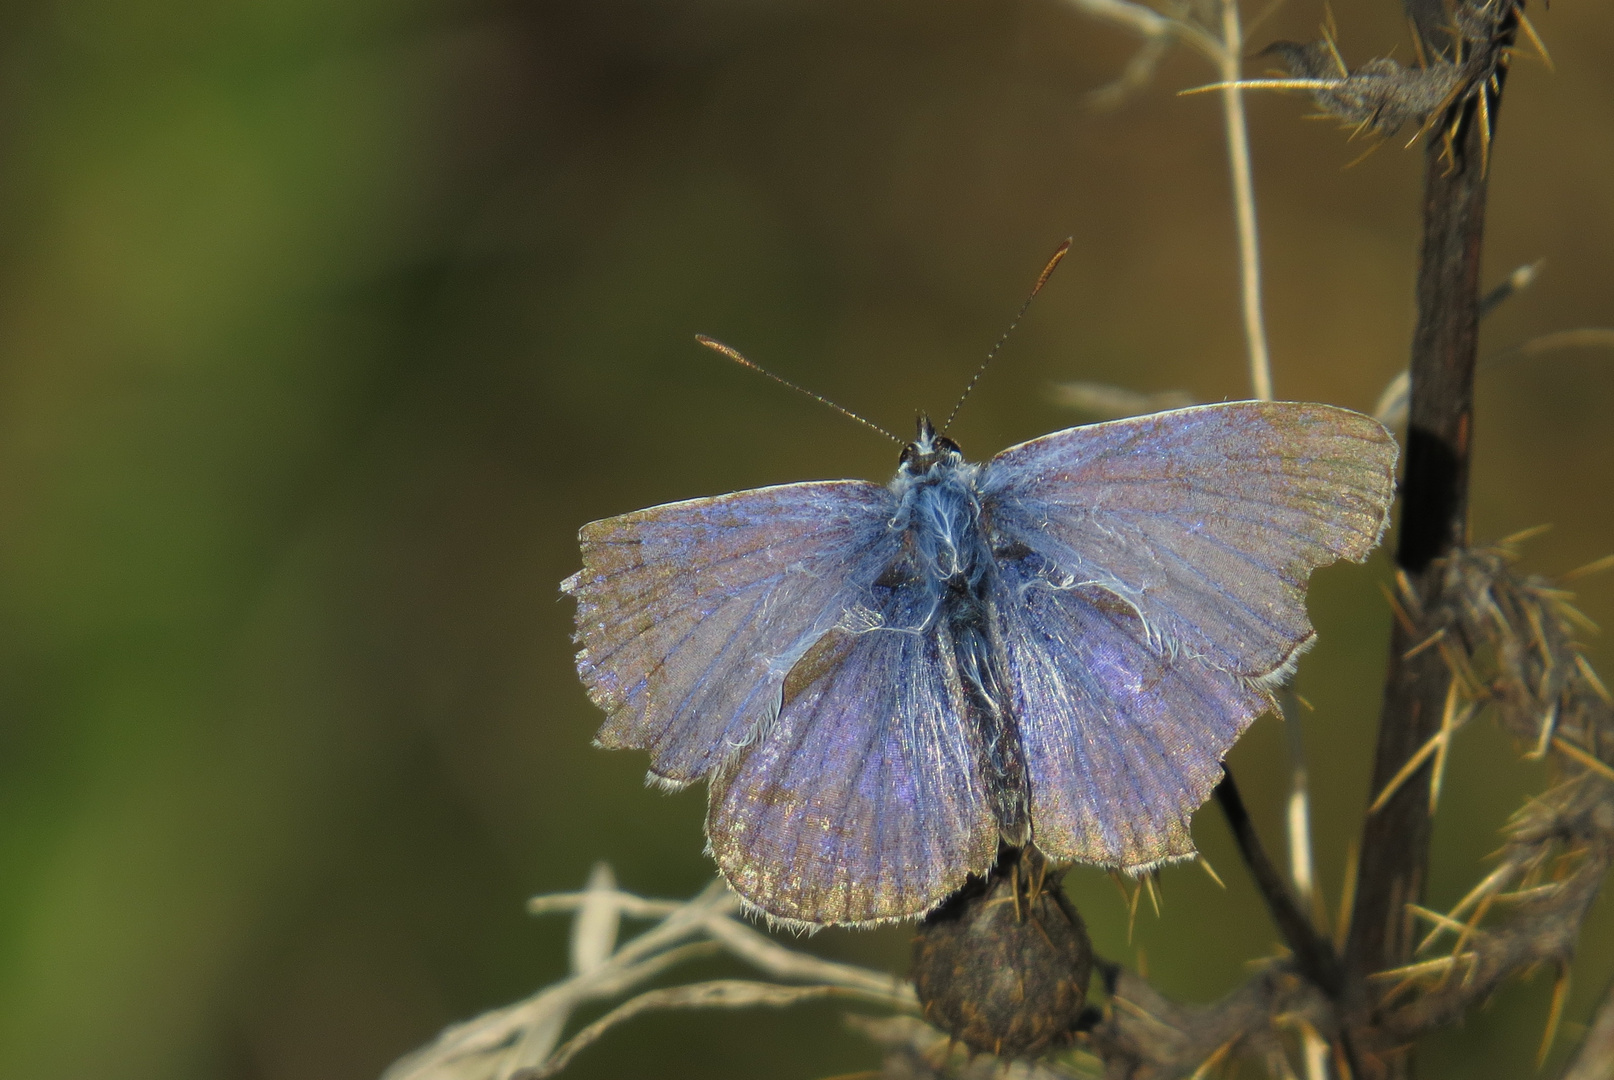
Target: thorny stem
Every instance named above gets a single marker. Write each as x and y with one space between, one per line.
1231 62
1434 519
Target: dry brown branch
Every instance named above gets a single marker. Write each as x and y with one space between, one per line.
520 1040
717 994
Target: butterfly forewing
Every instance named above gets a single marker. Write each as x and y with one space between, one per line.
1207 521
691 615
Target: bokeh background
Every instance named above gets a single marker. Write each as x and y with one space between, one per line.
324 325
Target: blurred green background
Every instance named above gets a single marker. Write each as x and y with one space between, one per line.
323 326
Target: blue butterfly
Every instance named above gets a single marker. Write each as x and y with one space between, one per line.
1055 648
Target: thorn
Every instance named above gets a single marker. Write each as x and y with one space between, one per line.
1587 673
1408 769
1409 594
1462 671
1560 993
1514 540
1212 1061
1569 749
1549 727
1490 883
1411 973
1154 896
1535 39
1342 1065
1449 723
1120 886
1596 566
1532 615
1261 84
1400 613
1442 922
1578 617
1449 140
1139 1011
1204 864
1347 897
1472 925
1432 639
1417 45
1330 26
1363 156
1524 896
1485 130
1425 967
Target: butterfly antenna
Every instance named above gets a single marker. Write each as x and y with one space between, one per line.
735 355
1042 279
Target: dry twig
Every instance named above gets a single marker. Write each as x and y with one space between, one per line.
521 1040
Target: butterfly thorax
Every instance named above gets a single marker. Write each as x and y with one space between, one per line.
939 506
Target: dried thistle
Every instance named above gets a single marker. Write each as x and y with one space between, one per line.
1511 646
1003 966
1464 60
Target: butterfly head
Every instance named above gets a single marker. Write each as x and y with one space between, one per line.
929 449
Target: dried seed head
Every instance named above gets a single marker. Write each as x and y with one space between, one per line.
1003 966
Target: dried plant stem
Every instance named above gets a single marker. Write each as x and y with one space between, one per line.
521 1040
1302 868
1227 54
717 994
1314 954
1434 522
1231 63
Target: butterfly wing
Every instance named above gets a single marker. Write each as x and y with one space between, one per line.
691 614
862 802
1151 587
1207 521
1123 742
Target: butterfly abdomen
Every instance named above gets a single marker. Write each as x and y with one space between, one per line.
979 653
942 510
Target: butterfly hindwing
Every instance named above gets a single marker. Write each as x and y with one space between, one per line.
690 615
1122 741
1208 520
863 801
